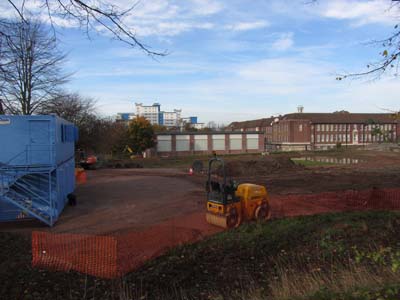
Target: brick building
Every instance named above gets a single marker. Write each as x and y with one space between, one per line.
307 131
191 143
261 125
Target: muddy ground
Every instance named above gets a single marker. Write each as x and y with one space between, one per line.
119 200
122 200
282 176
159 208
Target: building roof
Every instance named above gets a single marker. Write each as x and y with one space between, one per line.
251 124
205 133
342 117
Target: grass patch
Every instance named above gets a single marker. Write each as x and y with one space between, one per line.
253 256
331 256
311 163
168 162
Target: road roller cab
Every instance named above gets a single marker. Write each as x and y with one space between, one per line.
228 204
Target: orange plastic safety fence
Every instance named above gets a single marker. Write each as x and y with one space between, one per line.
137 247
93 255
114 256
351 200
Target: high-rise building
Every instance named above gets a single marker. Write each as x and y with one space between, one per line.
151 112
154 114
125 117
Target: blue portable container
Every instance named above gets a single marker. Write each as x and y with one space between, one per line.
37 166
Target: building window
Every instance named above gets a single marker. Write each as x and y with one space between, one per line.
318 128
301 127
318 138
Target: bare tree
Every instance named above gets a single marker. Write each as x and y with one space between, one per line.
96 134
30 67
388 61
72 107
91 15
389 56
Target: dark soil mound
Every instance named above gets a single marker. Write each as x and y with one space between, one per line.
259 167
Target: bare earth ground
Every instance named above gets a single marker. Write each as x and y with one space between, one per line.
121 200
117 200
160 208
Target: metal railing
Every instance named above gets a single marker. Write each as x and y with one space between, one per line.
17 184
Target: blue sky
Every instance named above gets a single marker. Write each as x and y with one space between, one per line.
235 59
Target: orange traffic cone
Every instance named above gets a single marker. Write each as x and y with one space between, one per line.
80 176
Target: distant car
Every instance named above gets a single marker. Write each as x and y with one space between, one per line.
89 162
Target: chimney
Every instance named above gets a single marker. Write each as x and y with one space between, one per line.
300 109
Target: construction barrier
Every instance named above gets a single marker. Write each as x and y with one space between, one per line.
115 255
80 175
93 255
350 200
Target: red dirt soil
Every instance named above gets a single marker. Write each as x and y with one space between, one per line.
116 255
127 216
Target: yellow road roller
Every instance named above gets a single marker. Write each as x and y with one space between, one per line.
229 203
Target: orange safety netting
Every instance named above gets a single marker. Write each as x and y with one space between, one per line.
94 255
114 256
350 200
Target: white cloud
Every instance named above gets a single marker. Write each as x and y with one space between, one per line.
272 86
287 76
244 26
360 12
284 42
170 28
148 17
206 7
171 17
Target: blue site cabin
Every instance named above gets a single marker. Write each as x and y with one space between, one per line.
37 166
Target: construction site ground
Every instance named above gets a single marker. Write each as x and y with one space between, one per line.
124 200
159 208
